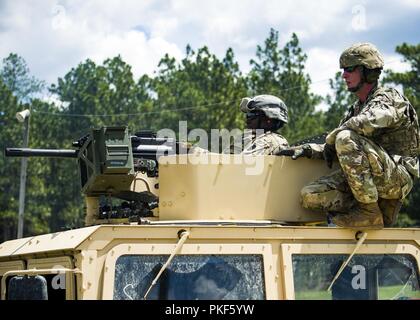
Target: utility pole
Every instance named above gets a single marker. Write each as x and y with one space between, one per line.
23 116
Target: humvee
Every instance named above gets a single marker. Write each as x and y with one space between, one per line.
208 227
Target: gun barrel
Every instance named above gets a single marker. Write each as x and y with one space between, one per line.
152 151
50 153
151 140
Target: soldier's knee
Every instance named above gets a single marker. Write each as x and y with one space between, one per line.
306 197
344 136
346 140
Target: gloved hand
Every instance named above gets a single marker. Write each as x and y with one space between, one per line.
183 147
329 154
296 152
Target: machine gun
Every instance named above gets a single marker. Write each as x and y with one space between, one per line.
109 161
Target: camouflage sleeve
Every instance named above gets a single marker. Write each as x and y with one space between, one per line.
279 143
266 145
378 114
347 115
235 147
196 151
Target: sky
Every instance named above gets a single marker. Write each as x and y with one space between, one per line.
54 36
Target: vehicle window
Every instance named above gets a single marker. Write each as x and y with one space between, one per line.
27 288
40 287
190 277
366 277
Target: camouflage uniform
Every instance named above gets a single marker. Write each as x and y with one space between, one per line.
267 143
251 143
377 144
258 142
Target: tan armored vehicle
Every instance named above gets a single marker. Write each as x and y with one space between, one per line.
204 227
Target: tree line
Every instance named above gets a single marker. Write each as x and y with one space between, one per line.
201 88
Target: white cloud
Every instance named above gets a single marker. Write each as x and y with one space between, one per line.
54 99
322 65
53 36
311 17
109 16
395 63
411 3
141 53
65 36
162 27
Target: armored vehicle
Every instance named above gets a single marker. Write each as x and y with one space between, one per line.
165 224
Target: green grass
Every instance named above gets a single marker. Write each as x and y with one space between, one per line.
313 295
385 293
393 292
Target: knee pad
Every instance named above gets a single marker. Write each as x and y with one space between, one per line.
343 136
306 197
345 141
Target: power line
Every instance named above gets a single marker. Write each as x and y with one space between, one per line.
178 109
160 111
134 114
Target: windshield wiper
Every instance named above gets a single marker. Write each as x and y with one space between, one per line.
359 243
183 236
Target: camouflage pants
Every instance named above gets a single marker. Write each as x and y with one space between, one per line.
367 173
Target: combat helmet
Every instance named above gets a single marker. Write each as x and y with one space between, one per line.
273 107
362 54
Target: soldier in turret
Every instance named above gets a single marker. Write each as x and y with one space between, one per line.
265 115
376 143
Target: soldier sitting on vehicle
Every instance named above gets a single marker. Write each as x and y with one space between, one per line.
376 143
265 114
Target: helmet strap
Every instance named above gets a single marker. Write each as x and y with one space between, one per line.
361 82
358 87
259 122
371 75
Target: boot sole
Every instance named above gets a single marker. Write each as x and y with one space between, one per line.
371 227
376 227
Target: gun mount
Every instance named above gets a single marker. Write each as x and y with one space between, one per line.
126 177
110 161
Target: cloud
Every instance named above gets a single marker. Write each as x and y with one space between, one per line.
68 33
141 53
395 63
53 36
415 4
322 64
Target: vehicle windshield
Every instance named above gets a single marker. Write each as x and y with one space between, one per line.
366 277
190 277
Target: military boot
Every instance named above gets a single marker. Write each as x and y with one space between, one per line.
364 216
390 209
